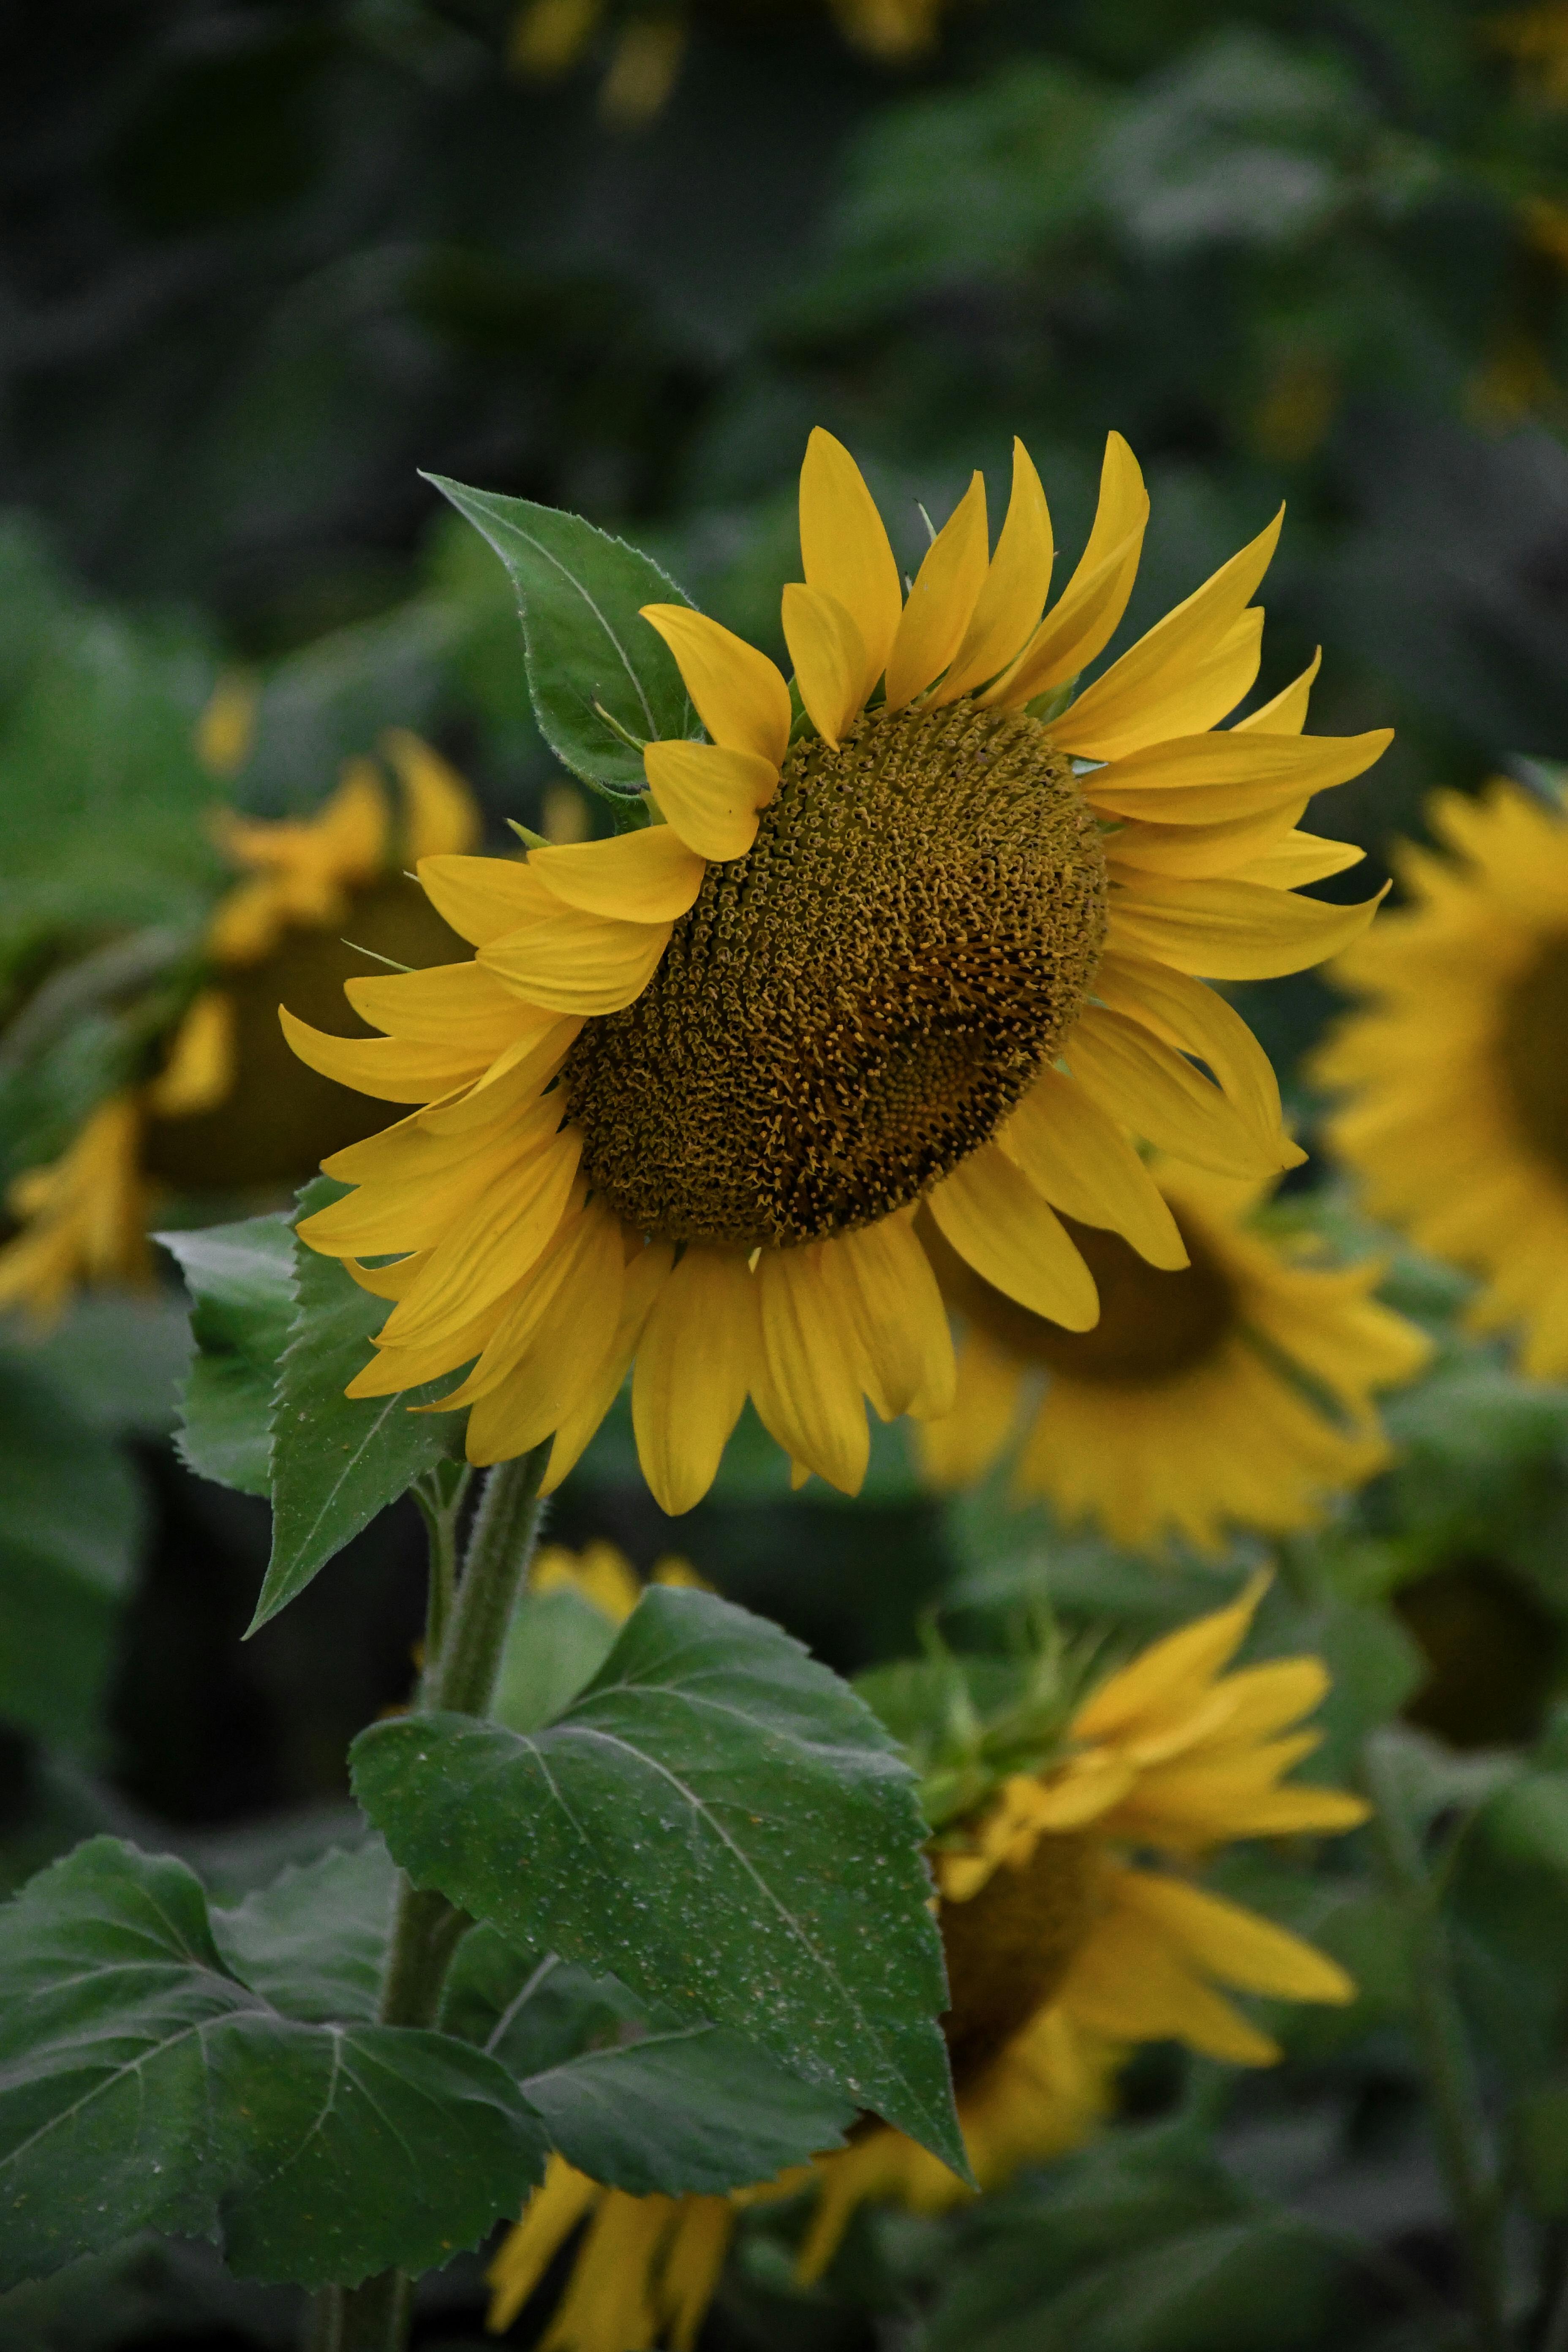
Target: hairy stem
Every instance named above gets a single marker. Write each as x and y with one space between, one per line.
460 1673
1458 2118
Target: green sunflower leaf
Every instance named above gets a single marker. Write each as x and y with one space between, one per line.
631 2097
716 1820
70 1521
337 1460
580 593
241 1307
145 2084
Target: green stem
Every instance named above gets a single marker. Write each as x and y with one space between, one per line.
1458 2118
426 1929
440 1516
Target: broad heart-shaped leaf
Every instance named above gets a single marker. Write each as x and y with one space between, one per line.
631 2096
144 2085
580 593
337 1460
314 1943
241 1307
716 1820
70 1517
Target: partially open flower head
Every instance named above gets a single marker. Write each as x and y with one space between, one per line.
902 951
1237 1389
1069 1939
223 1105
1456 1072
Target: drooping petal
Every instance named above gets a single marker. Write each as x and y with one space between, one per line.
1000 1225
648 877
481 897
846 553
645 1271
486 1252
1146 1087
890 1296
1010 603
1195 1020
740 695
1082 1161
553 1336
829 659
805 1388
695 1367
387 1067
447 1001
708 796
942 599
1232 930
1144 695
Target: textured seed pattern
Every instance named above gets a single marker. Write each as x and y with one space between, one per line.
848 1011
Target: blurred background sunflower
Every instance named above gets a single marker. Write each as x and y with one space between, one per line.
264 263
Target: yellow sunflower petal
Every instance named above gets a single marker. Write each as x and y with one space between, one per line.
805 1388
447 1001
443 815
1176 679
1084 617
1127 1983
201 1067
1233 1944
890 1295
1206 779
1083 1163
1172 1671
481 897
1187 1014
1204 853
1152 1090
1232 930
552 2214
550 1343
385 1067
1000 1225
1286 713
740 695
389 1281
695 1366
572 963
942 599
486 1252
524 1070
1297 858
649 877
645 1271
846 553
829 659
1010 603
708 796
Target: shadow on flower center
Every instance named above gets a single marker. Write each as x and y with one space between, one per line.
1532 1037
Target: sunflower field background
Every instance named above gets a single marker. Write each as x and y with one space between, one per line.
270 268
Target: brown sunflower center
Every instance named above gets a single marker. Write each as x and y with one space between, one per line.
1532 1052
1153 1326
1009 1946
848 1011
279 1119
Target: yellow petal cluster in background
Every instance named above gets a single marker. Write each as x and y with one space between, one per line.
915 953
1234 1390
224 1108
647 47
1454 1076
1067 1942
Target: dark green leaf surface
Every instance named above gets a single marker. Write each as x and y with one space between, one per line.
631 2097
337 1460
580 593
70 1523
718 1821
556 1642
241 1306
314 1943
144 2085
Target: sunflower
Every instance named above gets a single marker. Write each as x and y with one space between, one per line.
602 1575
1455 1116
904 951
1238 1387
647 46
1063 1952
230 1107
